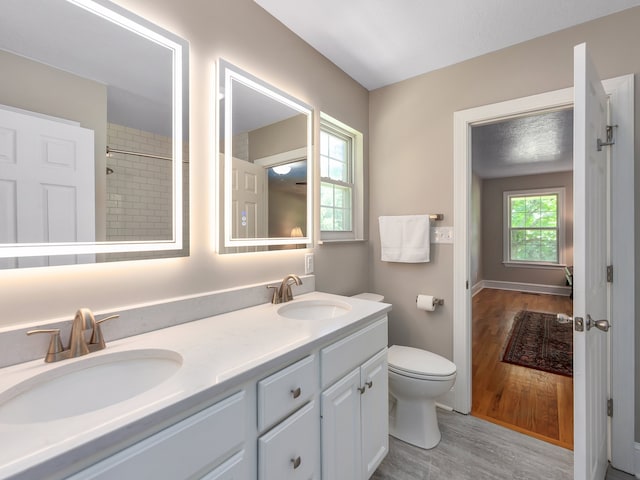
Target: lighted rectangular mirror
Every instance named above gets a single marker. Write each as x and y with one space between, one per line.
265 139
93 135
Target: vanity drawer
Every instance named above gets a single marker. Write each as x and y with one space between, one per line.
339 358
285 391
291 450
182 450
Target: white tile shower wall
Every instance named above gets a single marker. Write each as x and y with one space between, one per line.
139 192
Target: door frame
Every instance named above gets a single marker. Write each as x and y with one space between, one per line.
621 93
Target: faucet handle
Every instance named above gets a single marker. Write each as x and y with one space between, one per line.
55 344
96 342
275 298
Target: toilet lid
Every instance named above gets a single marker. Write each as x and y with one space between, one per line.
418 361
374 297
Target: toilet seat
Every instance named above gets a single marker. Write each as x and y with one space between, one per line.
419 364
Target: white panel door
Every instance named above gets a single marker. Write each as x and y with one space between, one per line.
374 405
590 260
47 171
249 201
341 442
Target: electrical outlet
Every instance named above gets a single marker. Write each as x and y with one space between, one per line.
308 263
442 234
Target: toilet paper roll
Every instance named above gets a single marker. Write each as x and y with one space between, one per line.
426 302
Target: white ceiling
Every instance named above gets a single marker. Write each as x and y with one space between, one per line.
380 42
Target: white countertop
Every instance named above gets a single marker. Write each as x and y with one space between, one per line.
218 354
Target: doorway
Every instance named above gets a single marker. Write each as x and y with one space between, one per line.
621 92
521 218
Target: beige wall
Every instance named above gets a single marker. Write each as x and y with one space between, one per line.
411 142
278 137
36 87
492 228
243 33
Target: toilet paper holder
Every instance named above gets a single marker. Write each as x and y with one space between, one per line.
436 301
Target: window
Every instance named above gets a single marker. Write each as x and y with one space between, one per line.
340 181
534 226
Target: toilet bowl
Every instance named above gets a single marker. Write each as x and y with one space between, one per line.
416 378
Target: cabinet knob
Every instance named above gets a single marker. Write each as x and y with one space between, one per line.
296 392
296 462
362 390
369 383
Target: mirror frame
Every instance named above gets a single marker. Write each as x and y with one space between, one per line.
180 105
228 73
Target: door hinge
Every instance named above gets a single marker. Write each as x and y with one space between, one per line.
609 141
610 273
610 407
466 285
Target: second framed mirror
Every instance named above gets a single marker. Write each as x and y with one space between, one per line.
265 155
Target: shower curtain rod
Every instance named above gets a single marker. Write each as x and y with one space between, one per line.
139 154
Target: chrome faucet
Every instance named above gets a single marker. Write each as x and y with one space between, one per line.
283 293
78 346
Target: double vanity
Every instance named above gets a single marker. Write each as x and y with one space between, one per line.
229 386
293 390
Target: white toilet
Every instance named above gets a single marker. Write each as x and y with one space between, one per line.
416 378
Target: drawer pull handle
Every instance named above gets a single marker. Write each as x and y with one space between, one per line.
296 462
369 383
362 390
296 393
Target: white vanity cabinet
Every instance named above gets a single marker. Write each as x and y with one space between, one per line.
354 404
193 448
291 448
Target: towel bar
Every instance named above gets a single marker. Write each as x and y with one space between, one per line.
436 216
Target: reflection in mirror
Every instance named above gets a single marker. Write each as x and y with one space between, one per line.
265 151
93 129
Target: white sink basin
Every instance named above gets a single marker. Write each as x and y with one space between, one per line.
86 384
314 309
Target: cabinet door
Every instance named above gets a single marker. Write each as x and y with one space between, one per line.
232 469
340 410
375 408
182 450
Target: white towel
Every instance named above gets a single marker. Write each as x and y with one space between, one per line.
405 238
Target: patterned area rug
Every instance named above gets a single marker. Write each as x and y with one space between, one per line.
538 340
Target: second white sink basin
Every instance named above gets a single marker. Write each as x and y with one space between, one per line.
86 384
314 309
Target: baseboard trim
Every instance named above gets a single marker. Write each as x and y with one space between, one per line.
637 450
524 287
477 288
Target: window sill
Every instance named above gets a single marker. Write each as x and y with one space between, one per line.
551 266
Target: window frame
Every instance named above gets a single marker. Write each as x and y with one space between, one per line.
355 169
506 222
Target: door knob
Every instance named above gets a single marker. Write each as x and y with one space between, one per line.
603 324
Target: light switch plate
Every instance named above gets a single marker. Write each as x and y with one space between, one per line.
308 263
442 235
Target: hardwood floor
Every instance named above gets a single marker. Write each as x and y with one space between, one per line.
536 403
